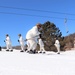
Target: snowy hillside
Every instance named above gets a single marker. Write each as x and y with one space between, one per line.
16 63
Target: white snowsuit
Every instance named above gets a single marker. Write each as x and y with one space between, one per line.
41 44
21 41
57 45
8 43
31 38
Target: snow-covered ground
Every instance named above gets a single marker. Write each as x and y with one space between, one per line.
17 63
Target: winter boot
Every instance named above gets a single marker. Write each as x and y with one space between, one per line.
58 53
7 50
31 52
40 52
25 49
43 52
11 50
21 51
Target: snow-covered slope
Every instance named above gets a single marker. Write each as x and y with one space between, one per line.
17 63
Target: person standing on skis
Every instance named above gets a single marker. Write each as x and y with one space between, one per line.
8 43
57 45
41 44
21 41
31 37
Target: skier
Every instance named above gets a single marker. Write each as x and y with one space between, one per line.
41 44
8 43
31 37
57 45
21 41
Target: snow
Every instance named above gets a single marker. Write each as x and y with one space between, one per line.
51 63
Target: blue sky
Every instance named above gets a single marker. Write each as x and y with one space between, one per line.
21 22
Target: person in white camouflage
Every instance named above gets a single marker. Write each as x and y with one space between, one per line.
57 45
21 41
8 43
31 37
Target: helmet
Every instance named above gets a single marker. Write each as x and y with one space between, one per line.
7 35
19 34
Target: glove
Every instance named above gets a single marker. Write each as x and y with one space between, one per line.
40 35
25 39
18 40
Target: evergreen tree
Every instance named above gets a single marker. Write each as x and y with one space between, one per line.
49 33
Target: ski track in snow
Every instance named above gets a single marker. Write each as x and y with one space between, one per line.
17 63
